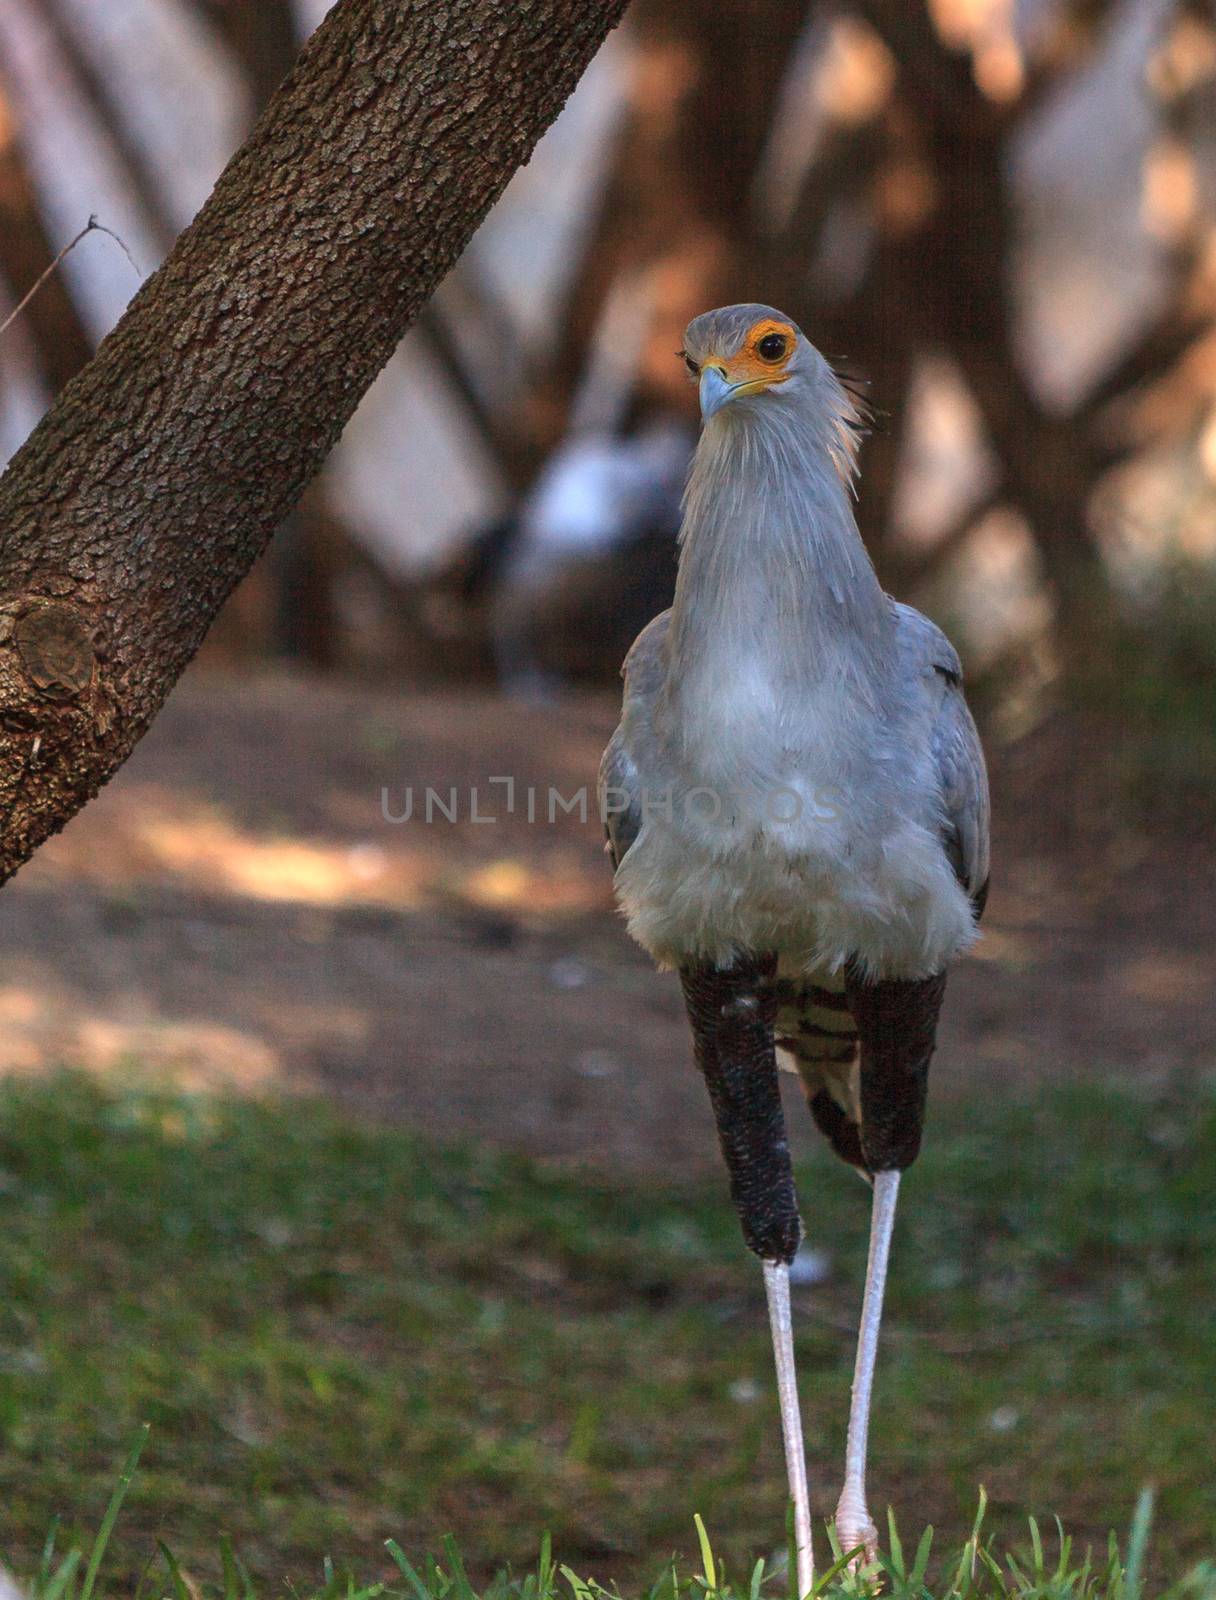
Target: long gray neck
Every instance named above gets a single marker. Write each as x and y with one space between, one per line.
773 578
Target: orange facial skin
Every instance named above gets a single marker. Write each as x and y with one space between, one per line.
748 368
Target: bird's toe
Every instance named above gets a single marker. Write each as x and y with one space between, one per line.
855 1530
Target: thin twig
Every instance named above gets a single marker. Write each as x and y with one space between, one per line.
91 226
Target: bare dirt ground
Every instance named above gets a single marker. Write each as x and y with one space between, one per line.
235 911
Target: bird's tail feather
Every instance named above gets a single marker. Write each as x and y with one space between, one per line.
817 1038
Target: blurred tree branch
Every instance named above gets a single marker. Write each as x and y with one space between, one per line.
948 243
261 34
60 340
679 193
108 113
149 489
907 569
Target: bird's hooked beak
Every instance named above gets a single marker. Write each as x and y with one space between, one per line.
716 389
718 386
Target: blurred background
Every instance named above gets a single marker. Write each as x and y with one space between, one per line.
998 219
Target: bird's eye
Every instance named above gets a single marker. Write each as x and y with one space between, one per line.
772 347
694 367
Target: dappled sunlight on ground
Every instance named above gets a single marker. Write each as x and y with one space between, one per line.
1155 979
236 910
38 1030
149 835
240 797
1003 948
208 851
43 1024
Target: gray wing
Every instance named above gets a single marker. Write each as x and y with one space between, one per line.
619 800
964 787
956 750
620 787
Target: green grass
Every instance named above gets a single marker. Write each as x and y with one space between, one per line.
340 1333
978 1571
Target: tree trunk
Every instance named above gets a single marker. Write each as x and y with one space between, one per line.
152 485
291 594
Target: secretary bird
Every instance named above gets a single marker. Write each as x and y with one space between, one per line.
797 812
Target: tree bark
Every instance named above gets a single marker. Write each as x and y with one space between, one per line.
151 486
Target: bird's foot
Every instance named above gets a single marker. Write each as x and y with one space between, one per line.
855 1528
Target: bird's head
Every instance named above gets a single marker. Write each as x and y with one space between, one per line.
752 361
